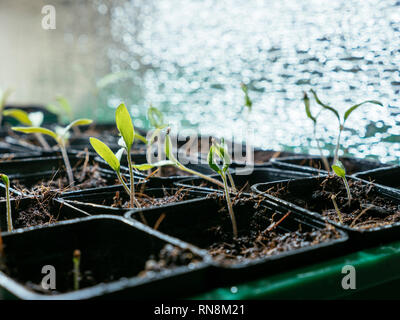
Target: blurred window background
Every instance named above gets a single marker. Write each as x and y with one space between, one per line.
189 57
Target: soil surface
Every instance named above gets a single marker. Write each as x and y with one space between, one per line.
41 211
168 258
85 177
261 235
368 209
146 201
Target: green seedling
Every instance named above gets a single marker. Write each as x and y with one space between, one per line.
345 117
125 127
62 108
76 260
127 131
33 119
306 100
333 198
247 101
3 100
172 161
61 137
6 181
220 152
340 171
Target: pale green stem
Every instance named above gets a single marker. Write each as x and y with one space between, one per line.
132 191
233 186
336 157
42 141
347 189
76 272
212 180
230 208
67 163
337 208
8 204
123 183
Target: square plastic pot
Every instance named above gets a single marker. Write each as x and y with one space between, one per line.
389 177
360 238
113 249
314 164
194 223
59 211
100 202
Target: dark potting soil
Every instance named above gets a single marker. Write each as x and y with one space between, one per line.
85 177
169 258
367 210
146 201
259 235
39 213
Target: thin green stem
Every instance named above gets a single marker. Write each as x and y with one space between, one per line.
230 208
233 186
123 183
132 192
336 157
8 204
208 178
67 163
347 189
337 208
76 261
42 141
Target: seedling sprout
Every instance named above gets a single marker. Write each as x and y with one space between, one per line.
333 198
34 119
340 171
345 117
125 127
220 151
172 161
6 181
76 260
61 136
306 100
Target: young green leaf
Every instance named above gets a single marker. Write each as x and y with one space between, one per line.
36 130
124 125
306 100
339 169
335 112
211 162
105 152
140 137
351 109
79 122
148 166
156 118
4 97
247 101
5 179
168 148
64 104
19 115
